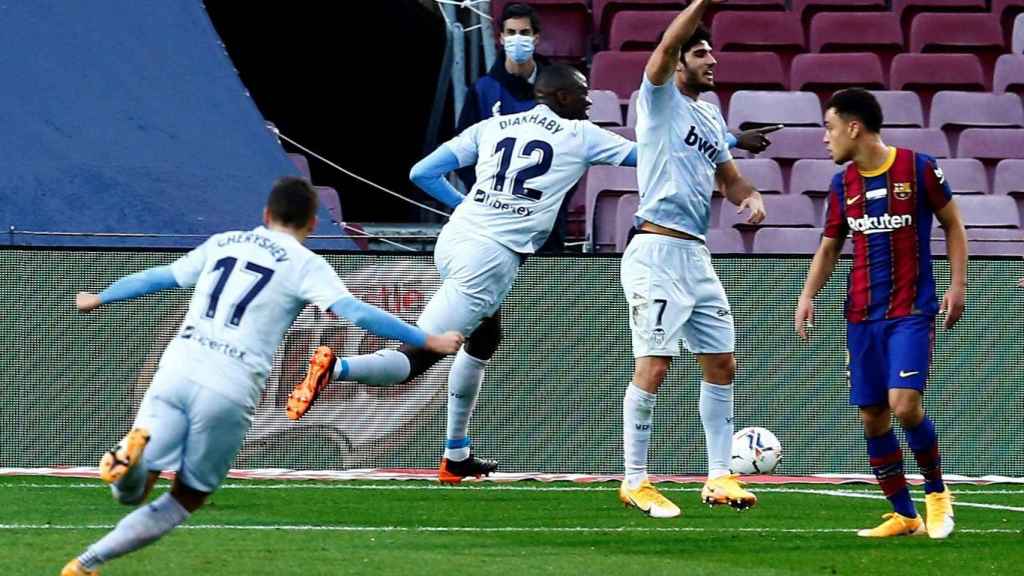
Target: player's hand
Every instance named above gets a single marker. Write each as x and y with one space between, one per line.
86 302
447 343
952 307
755 204
755 141
803 320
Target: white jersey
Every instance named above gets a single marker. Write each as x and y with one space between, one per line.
525 165
249 288
680 143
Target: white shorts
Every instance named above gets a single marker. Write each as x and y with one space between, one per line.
675 295
477 274
194 430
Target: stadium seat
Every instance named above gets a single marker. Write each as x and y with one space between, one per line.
329 199
988 212
606 11
747 71
930 73
755 108
624 219
812 177
631 110
788 211
638 29
797 144
566 26
787 241
763 173
1009 179
605 184
958 33
1017 40
725 241
930 141
606 110
1009 74
823 74
991 144
965 175
1006 11
620 72
900 108
908 10
777 32
877 32
984 242
809 9
302 163
952 111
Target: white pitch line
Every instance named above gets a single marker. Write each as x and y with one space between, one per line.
563 529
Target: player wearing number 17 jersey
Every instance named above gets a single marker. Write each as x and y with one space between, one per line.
249 288
525 165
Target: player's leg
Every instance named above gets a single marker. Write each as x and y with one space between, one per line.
867 348
657 311
911 341
464 381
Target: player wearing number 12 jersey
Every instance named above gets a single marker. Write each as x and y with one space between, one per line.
525 165
249 288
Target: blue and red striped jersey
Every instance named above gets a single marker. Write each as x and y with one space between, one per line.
888 214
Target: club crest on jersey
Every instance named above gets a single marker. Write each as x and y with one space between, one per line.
902 190
705 147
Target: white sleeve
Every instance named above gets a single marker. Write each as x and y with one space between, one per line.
189 267
320 284
604 146
724 155
654 103
465 146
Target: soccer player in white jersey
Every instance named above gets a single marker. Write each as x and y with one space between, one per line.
525 165
249 287
671 288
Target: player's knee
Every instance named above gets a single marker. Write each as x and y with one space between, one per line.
650 372
130 498
190 498
484 341
909 413
875 419
720 369
420 360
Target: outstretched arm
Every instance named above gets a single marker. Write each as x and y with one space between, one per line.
429 175
381 323
131 286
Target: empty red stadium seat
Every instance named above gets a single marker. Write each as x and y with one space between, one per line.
965 175
991 144
1009 178
908 10
930 141
988 211
710 97
620 72
952 111
747 71
823 74
796 144
809 9
1007 11
329 200
779 32
812 177
625 215
725 241
956 33
1009 74
605 11
302 163
605 184
606 110
754 108
930 73
900 108
638 29
763 173
565 26
876 32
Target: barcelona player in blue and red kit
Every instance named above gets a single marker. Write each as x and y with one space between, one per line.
884 201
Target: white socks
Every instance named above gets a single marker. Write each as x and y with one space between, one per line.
716 415
382 368
143 526
464 380
637 416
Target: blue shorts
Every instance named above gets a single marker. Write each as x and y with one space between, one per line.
887 354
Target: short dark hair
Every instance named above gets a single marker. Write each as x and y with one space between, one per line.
557 77
292 202
520 10
859 103
700 34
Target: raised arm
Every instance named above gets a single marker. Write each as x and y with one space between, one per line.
131 286
386 325
665 57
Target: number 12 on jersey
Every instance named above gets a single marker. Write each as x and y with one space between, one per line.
506 148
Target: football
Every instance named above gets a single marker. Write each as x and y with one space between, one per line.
755 451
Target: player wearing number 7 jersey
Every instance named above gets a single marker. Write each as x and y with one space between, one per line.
249 288
525 165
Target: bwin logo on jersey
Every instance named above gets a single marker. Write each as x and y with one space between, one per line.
705 147
876 224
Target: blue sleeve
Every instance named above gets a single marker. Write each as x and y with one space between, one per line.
730 140
630 160
139 284
381 323
429 174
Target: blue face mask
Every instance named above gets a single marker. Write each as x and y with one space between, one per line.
519 48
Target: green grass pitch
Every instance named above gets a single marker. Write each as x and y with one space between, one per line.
409 528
